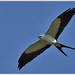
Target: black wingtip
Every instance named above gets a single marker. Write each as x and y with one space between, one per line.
25 58
73 8
19 67
70 10
21 61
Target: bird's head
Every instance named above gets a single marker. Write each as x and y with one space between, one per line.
41 36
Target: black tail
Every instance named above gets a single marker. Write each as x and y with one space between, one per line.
67 47
59 46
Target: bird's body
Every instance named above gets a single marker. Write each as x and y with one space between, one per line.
48 39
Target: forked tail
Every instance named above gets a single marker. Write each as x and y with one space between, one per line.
59 46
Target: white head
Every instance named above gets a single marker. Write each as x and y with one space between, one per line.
41 36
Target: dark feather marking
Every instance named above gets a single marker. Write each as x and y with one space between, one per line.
59 48
65 18
25 58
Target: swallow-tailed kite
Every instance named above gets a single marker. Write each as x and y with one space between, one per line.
48 39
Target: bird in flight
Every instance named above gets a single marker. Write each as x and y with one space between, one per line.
48 39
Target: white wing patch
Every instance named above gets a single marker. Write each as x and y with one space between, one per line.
54 27
36 46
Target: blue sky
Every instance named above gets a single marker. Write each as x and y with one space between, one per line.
20 25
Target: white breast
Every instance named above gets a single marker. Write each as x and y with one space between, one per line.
49 39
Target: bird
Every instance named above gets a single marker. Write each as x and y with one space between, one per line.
48 39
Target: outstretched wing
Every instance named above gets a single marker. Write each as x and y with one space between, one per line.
60 22
31 52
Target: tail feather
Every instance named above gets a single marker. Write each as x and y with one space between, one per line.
59 47
67 46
